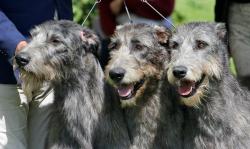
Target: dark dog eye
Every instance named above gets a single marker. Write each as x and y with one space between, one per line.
55 40
174 45
138 47
113 45
61 51
136 44
201 44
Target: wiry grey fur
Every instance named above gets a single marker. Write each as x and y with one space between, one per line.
221 117
153 117
86 114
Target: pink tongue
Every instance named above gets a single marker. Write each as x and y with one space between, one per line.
185 90
124 91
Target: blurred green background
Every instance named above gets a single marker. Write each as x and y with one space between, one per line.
81 9
185 11
193 10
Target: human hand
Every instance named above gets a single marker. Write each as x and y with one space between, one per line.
116 6
20 46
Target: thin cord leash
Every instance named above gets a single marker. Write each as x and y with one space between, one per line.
126 8
96 2
145 1
128 13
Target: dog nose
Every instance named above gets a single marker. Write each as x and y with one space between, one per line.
22 59
117 74
180 71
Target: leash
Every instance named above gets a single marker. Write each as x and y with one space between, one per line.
126 8
128 13
145 1
96 2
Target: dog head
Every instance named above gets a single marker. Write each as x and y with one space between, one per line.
55 46
198 55
137 54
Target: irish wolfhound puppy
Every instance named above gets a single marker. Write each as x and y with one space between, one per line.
217 108
62 52
135 71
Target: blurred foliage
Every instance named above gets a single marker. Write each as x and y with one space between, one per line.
81 8
193 10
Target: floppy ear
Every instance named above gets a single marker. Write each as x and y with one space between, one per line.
162 34
93 42
221 31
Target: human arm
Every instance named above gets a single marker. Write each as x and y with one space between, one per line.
10 37
116 6
64 9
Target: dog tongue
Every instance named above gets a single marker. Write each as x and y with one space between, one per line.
185 90
125 91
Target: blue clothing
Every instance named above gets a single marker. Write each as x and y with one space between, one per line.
17 17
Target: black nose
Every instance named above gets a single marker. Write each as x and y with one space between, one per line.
22 59
180 71
117 74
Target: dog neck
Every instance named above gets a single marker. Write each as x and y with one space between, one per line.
221 118
155 116
79 98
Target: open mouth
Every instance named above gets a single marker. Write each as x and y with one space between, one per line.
188 88
128 91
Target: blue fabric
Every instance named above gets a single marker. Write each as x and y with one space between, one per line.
17 17
9 36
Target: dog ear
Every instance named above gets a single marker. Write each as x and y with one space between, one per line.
92 41
221 31
162 34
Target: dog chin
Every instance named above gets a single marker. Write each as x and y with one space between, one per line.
191 92
128 103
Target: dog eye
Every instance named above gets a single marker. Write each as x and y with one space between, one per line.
136 44
112 45
61 51
174 45
138 47
54 40
201 44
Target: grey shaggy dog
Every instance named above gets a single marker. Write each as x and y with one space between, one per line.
217 113
135 71
86 114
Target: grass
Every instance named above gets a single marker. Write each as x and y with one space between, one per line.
232 67
193 10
